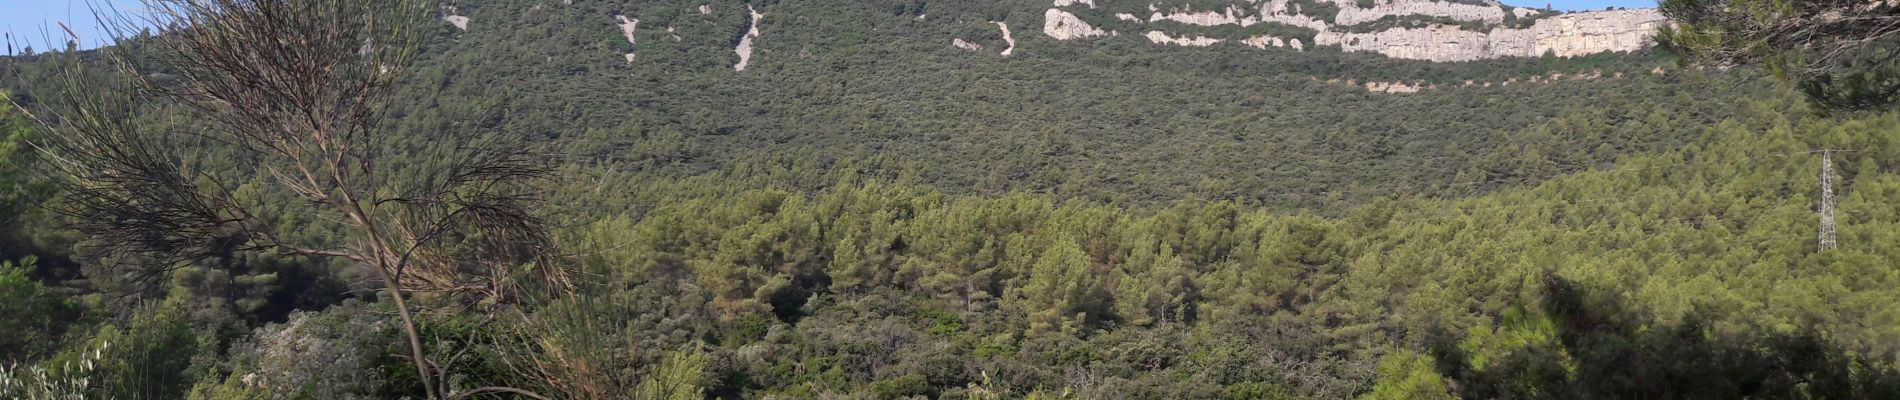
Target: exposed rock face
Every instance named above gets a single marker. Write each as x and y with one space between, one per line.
1436 43
1007 39
1351 14
1392 87
1065 26
1564 35
745 43
448 15
627 27
1414 87
1285 12
1585 33
1231 16
460 22
1264 41
959 43
1196 41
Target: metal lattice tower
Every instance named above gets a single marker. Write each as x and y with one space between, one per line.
1827 236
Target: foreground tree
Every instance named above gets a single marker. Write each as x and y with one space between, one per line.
1841 53
277 141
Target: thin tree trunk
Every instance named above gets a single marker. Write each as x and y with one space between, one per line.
391 282
409 329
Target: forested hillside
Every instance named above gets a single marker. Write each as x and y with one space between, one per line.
1115 120
1698 266
868 211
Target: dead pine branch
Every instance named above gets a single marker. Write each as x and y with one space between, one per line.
297 91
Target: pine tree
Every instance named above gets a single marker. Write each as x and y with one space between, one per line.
1061 291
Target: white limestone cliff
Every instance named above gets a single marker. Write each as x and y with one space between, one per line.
1595 32
1567 35
1231 16
1563 35
1351 14
1285 12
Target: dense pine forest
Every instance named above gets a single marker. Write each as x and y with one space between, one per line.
869 212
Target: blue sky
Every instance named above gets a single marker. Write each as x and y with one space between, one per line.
26 18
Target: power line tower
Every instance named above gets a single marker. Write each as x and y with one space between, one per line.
1827 236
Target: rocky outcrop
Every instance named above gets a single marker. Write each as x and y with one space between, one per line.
448 15
1563 35
745 43
1578 34
1414 87
1231 16
1264 41
1393 87
959 43
1567 35
460 22
627 27
1195 41
1288 13
1011 40
1351 14
1435 43
1065 26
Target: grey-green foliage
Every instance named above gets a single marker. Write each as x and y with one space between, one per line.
328 355
17 186
1406 375
68 381
155 355
681 376
34 318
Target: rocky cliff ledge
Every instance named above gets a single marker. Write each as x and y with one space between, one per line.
1411 29
1567 35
